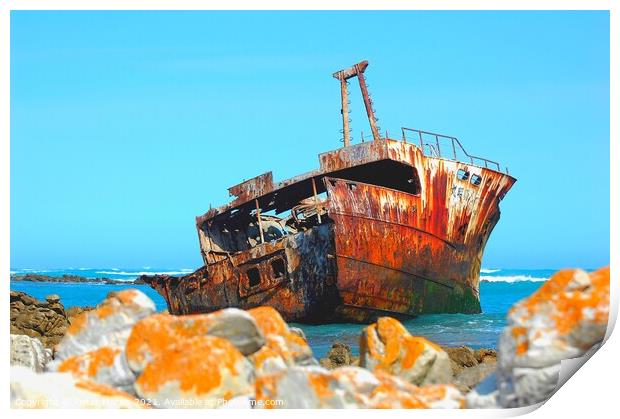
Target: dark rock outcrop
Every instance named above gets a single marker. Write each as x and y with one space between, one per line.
484 356
44 320
76 311
70 278
470 367
461 357
339 355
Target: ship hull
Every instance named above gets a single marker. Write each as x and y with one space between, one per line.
390 259
336 272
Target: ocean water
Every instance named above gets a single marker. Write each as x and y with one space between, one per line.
499 290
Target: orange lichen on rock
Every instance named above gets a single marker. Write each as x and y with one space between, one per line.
557 315
266 387
196 368
269 320
351 387
155 334
392 393
63 390
90 363
414 348
387 346
441 395
574 293
78 323
126 297
278 337
320 384
520 335
564 319
102 389
107 325
395 343
272 357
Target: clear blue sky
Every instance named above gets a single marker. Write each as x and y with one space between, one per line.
126 125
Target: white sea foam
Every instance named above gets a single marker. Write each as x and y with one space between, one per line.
512 278
489 271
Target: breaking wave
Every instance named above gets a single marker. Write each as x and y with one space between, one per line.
489 271
512 278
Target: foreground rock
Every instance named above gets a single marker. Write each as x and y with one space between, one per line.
198 372
283 347
121 351
387 346
106 365
43 320
94 347
109 325
73 312
564 319
348 387
57 390
29 352
156 334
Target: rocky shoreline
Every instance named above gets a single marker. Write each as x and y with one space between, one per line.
74 278
469 367
46 321
124 354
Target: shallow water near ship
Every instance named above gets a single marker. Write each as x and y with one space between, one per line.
499 290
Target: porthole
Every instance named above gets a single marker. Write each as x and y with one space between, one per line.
462 174
476 180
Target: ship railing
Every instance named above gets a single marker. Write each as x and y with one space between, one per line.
446 147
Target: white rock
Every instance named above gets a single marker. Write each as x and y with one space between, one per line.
29 352
349 387
564 319
59 390
106 365
108 325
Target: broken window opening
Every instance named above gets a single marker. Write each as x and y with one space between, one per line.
279 270
253 275
385 173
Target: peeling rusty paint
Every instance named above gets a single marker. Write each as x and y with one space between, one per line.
398 232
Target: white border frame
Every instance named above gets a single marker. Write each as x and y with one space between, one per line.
591 393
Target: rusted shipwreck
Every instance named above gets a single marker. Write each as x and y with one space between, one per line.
387 226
